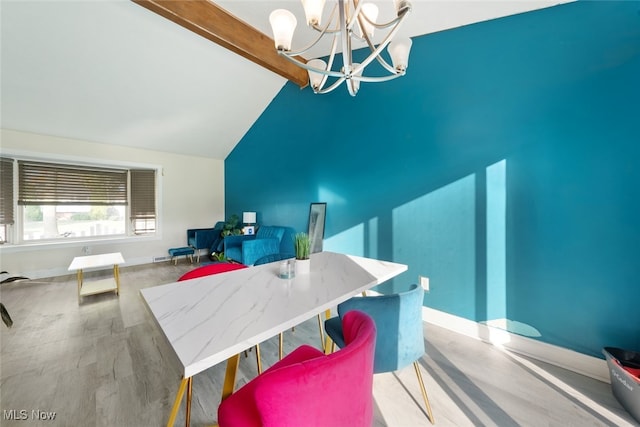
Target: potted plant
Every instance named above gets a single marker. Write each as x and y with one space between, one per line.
302 245
230 227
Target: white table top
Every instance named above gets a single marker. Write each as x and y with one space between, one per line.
209 319
94 261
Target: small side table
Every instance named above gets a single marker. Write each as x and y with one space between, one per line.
93 287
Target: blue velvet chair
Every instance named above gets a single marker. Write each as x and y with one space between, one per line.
204 238
400 338
268 240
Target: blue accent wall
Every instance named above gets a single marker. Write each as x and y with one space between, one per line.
505 167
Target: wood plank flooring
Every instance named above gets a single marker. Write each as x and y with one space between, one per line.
104 363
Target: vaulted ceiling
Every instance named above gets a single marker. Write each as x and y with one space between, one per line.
115 72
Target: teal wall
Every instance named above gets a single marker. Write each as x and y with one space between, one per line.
504 166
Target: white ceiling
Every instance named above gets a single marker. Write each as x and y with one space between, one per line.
114 72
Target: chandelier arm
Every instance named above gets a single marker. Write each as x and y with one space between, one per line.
322 32
401 15
331 88
375 51
379 78
379 57
305 49
334 48
310 68
326 29
347 62
358 6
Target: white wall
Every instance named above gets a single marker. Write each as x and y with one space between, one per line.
192 196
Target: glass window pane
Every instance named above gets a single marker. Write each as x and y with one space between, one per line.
76 221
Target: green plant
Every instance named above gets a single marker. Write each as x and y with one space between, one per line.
230 227
218 256
302 245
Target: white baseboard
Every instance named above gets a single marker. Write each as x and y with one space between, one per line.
568 359
63 271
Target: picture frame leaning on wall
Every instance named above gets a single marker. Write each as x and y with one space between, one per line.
317 216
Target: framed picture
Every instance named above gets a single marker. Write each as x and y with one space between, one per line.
317 214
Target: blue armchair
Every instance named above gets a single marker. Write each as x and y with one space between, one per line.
268 240
204 238
399 337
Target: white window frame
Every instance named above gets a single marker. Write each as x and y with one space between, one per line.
15 236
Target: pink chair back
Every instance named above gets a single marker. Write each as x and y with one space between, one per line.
207 270
309 389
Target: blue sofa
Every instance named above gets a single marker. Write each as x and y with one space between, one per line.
268 240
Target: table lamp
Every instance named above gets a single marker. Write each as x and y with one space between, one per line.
248 218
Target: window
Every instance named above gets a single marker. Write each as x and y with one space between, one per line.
61 201
143 201
6 197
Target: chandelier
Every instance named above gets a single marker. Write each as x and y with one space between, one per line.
350 21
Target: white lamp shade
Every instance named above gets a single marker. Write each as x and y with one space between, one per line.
283 23
313 10
249 217
315 78
369 10
399 50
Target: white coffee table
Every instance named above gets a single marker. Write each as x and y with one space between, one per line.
93 287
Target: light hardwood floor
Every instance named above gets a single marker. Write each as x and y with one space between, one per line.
104 363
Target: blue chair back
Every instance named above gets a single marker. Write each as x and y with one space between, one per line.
398 318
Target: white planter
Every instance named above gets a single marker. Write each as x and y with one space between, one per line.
303 266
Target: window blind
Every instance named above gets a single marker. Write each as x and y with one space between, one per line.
143 194
6 191
59 184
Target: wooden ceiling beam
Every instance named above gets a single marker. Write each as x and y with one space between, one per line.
216 24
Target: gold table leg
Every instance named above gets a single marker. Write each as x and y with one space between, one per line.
79 277
116 276
177 401
326 345
186 384
258 359
230 376
188 409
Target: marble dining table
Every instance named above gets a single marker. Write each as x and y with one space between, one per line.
213 319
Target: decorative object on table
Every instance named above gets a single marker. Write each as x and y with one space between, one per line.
399 337
307 388
249 219
302 246
287 269
317 215
350 23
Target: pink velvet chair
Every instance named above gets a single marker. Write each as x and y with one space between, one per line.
308 388
208 270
